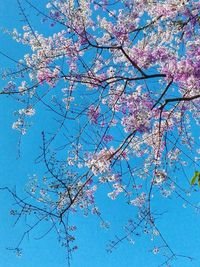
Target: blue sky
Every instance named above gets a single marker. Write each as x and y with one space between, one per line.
179 225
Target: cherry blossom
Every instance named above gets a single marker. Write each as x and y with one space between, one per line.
123 81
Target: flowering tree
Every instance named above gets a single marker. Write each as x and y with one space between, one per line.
122 79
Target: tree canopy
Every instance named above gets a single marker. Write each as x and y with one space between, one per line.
121 82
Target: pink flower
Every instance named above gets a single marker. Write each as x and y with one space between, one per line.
93 114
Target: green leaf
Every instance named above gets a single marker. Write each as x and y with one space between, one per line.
194 178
